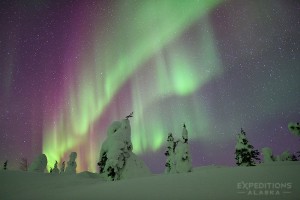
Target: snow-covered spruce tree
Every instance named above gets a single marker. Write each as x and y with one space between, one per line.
183 158
71 167
39 164
117 161
245 155
5 165
170 153
115 150
62 168
23 164
55 168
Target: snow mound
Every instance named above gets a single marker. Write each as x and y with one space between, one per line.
87 174
209 183
134 168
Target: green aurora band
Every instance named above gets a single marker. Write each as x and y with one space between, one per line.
144 31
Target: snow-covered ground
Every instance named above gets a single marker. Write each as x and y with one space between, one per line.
282 179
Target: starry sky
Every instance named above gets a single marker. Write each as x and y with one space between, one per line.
68 69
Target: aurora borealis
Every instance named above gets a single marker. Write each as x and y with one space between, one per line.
70 68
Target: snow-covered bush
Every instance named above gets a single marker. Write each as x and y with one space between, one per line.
285 156
245 154
117 161
71 165
268 155
294 128
39 164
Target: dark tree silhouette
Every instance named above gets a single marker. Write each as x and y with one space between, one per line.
130 115
5 165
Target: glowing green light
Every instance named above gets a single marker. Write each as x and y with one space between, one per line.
141 29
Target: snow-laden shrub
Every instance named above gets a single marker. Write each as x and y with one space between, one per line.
39 164
71 165
117 161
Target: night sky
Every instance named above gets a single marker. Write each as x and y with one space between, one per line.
70 68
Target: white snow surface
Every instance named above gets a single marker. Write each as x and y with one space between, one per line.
209 182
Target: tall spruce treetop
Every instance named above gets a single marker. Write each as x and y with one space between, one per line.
245 154
184 134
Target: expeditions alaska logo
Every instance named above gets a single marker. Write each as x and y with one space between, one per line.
264 188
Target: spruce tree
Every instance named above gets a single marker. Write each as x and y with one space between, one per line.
170 153
245 154
183 158
116 160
